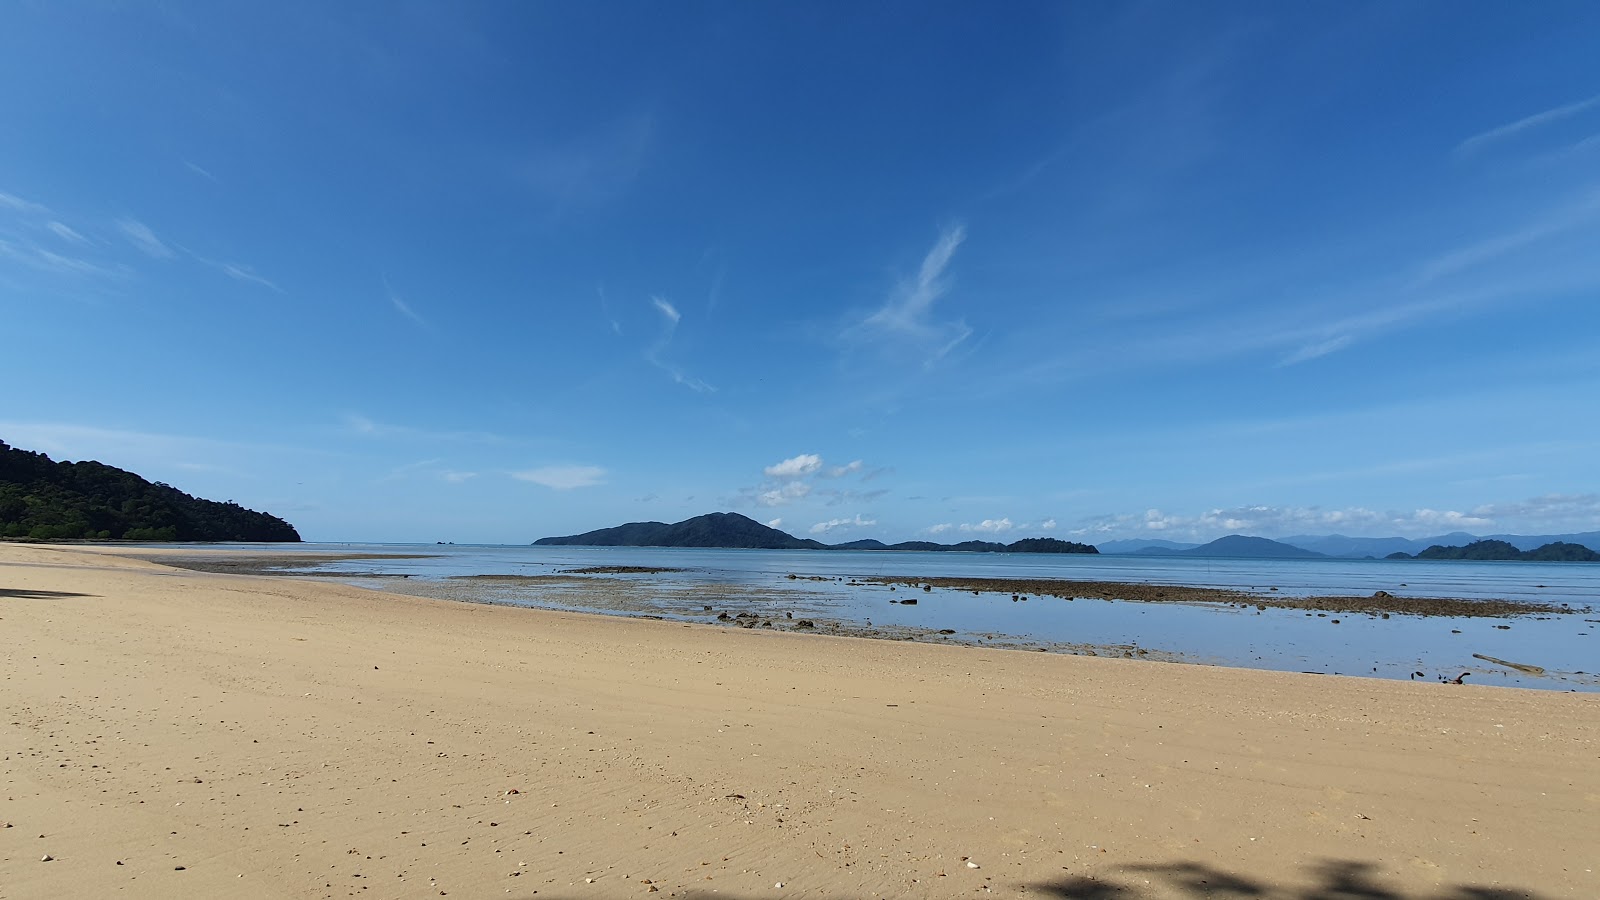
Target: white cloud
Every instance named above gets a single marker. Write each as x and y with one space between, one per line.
458 477
563 478
13 202
402 307
941 528
65 233
245 273
1477 141
783 494
667 309
1048 525
201 172
140 235
846 469
989 526
795 467
1319 349
775 523
671 317
908 311
831 524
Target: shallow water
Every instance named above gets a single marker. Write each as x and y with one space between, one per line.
756 581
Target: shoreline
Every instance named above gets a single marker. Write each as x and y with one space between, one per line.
294 738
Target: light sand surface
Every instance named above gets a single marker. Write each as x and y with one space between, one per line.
283 738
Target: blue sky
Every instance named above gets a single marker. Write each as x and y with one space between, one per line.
489 272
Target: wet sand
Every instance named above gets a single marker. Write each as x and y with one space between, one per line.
223 735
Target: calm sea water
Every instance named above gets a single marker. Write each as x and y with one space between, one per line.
1567 646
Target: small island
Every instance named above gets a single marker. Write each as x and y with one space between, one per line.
1556 551
736 532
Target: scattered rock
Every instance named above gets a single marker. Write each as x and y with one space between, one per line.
909 601
947 631
47 858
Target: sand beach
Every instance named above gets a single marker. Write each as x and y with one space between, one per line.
175 733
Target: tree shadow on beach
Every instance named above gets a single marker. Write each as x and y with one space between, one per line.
20 594
1330 879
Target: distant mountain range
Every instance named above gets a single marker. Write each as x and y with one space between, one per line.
1338 545
733 531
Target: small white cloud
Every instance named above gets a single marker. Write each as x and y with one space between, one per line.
989 526
458 477
199 171
801 466
140 235
65 233
841 471
667 309
245 273
784 494
1048 525
12 201
563 478
403 307
775 523
941 528
831 524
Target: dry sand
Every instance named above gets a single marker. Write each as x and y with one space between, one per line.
172 733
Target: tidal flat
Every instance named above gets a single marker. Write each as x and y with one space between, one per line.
1511 625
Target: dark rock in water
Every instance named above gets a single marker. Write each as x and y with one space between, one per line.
805 623
1382 595
723 617
947 631
909 601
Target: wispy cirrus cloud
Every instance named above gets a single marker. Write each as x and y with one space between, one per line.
907 314
65 232
18 204
563 478
655 355
1511 129
989 526
401 306
141 237
203 173
357 424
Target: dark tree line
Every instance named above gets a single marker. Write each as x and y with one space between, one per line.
48 500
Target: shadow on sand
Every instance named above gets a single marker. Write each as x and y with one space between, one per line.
1330 879
21 594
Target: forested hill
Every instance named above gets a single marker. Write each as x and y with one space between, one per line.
731 530
48 500
1557 551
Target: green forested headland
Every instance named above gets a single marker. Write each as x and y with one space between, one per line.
53 501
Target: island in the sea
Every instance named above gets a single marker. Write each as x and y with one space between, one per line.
45 500
1556 551
733 531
